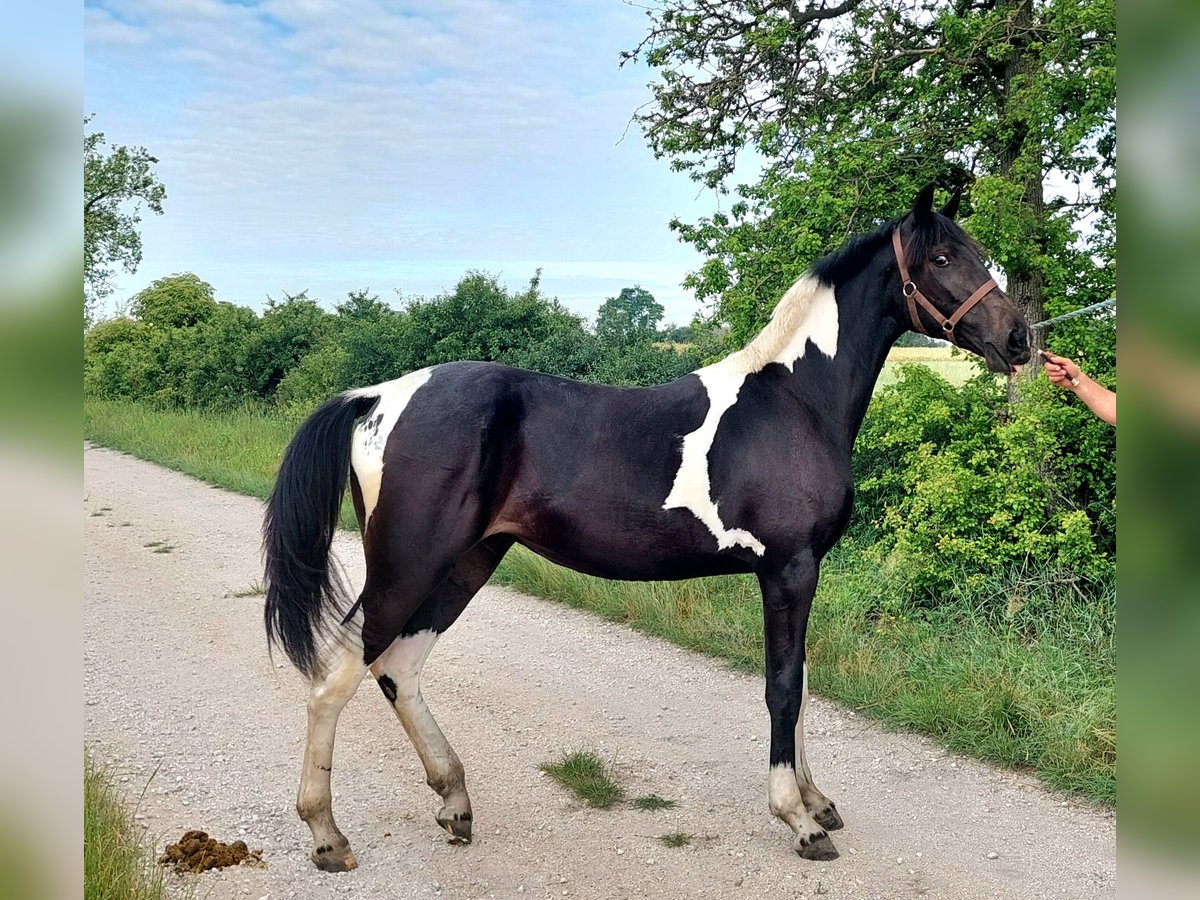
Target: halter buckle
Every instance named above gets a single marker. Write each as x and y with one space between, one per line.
909 288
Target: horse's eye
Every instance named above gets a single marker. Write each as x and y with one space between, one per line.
941 262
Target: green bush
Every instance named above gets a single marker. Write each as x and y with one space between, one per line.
956 486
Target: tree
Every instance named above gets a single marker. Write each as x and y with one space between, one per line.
116 187
288 331
631 317
851 106
176 301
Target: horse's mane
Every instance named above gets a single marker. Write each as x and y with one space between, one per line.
790 313
852 257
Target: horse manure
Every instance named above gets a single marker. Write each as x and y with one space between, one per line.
197 852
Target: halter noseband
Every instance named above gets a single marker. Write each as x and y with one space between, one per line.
914 296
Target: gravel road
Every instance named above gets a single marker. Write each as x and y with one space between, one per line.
178 686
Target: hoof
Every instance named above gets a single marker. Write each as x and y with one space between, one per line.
333 859
819 848
828 818
457 825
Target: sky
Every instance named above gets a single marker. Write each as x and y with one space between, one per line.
333 146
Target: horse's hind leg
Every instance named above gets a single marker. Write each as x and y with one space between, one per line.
398 671
339 671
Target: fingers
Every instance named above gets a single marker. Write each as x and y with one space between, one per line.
1058 360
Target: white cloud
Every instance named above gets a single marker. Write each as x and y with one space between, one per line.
100 27
297 131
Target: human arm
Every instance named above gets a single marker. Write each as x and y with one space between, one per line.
1064 373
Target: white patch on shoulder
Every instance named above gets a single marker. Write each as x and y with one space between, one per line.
371 434
692 489
807 312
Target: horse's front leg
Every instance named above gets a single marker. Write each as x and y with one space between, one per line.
821 807
787 599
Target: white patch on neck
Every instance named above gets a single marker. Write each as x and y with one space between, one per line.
808 311
371 433
692 490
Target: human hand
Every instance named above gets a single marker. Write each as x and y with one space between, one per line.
1061 371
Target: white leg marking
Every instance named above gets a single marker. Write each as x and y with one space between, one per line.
402 662
802 771
692 489
371 434
340 670
783 796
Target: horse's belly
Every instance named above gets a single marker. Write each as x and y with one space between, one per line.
607 549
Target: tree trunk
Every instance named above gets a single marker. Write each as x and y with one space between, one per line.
1025 286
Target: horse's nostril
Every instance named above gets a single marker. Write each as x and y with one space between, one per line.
1018 338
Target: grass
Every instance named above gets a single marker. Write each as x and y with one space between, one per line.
238 450
676 839
653 802
1034 688
1031 686
951 364
117 859
585 774
254 589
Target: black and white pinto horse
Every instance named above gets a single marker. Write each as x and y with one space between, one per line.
742 466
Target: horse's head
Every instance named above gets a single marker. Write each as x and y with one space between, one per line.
946 290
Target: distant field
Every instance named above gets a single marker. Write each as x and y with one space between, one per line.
949 362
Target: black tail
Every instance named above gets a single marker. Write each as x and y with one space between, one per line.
303 589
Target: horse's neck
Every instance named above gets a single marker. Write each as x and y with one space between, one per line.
833 344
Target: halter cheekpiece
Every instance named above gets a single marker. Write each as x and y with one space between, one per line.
913 295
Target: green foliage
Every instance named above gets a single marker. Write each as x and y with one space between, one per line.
675 839
852 107
176 301
119 360
182 347
587 776
631 317
955 485
677 334
912 339
117 859
643 363
116 186
653 802
289 330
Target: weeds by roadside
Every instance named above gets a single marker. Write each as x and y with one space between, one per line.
653 802
675 839
117 859
587 776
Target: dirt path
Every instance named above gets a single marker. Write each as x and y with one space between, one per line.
177 683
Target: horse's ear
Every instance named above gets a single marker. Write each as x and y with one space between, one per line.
950 210
923 205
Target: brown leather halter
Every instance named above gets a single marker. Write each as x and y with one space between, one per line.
914 296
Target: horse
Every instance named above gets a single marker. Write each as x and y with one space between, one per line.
742 466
